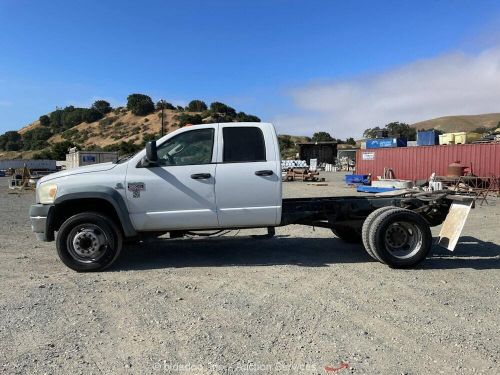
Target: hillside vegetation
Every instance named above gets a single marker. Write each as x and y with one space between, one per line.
101 127
466 123
127 129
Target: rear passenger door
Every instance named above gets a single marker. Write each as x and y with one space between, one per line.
248 184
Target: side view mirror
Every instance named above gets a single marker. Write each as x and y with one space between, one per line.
151 153
151 158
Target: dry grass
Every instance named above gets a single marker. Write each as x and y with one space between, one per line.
465 123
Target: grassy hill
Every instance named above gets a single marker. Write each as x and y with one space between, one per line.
123 129
467 123
118 125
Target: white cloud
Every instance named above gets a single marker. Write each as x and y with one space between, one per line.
451 84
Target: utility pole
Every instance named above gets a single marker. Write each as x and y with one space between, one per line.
162 121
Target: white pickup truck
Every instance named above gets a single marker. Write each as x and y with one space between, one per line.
211 177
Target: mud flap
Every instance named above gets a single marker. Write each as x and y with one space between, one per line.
453 224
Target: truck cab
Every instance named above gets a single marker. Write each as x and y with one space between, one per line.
212 176
206 177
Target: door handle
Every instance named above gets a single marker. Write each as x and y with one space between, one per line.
266 172
200 176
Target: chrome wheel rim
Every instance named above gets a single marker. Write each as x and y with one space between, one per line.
403 239
87 243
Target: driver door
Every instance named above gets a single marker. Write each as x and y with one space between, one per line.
179 193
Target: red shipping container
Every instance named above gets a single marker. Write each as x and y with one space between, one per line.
418 163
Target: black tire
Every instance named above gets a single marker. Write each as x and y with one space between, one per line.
400 238
367 225
347 234
88 242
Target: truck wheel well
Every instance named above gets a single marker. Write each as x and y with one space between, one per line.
65 210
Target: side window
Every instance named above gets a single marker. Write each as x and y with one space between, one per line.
243 144
189 148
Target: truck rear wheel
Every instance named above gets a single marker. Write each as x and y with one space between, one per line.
367 225
400 238
88 241
346 233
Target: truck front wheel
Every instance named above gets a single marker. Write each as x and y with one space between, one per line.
88 241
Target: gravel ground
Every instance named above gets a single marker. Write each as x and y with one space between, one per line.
289 305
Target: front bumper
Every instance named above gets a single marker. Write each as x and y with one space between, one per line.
40 217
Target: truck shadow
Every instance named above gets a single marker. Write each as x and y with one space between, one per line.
282 250
239 251
469 253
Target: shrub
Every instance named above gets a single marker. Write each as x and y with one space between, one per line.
350 141
92 115
108 121
10 141
59 150
186 119
165 105
146 137
102 106
218 107
45 154
243 117
123 147
322 137
140 104
44 120
69 134
196 106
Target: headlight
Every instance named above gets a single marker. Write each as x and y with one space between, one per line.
46 193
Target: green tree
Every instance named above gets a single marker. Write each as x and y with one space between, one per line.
11 141
102 106
36 139
350 141
222 112
123 148
92 115
187 119
371 132
322 137
56 118
44 120
285 142
394 129
243 117
401 129
45 154
60 149
140 104
196 106
165 105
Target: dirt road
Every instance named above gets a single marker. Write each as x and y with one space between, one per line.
303 302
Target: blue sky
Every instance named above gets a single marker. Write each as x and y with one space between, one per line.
305 65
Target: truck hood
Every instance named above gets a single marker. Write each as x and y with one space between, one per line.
85 169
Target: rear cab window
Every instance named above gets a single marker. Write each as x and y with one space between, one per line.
243 144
